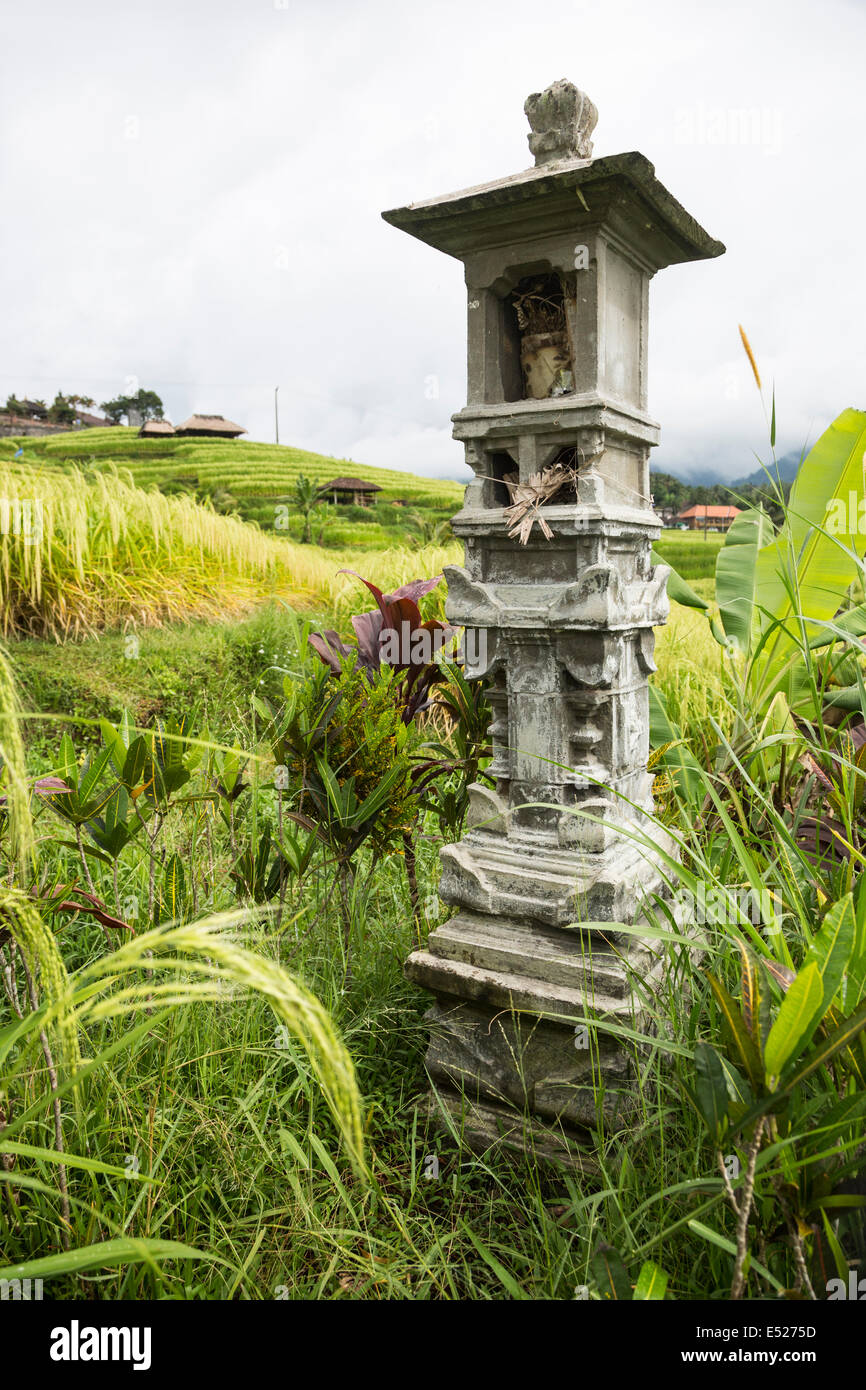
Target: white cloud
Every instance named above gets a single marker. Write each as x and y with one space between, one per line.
192 195
430 452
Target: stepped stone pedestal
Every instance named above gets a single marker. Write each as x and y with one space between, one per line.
558 261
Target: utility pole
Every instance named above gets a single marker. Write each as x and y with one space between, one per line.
276 417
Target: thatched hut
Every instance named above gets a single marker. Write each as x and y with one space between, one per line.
156 429
349 491
210 427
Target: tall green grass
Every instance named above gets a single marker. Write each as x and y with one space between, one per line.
203 1163
206 1160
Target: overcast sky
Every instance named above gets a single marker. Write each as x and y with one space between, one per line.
192 189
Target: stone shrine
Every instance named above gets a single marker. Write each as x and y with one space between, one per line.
559 587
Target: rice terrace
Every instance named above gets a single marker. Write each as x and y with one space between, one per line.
418 889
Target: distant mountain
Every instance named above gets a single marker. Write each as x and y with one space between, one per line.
700 477
786 467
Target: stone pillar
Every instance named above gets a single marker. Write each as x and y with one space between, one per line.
558 260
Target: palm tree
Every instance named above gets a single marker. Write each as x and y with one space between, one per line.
428 530
307 496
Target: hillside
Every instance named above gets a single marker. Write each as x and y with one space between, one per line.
248 469
251 480
786 468
709 480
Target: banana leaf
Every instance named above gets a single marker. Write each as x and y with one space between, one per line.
808 568
737 579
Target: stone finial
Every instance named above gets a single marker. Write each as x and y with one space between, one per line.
562 120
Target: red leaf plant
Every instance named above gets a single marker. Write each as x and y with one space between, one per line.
393 634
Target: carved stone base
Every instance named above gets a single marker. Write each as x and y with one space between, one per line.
513 1024
525 876
483 1127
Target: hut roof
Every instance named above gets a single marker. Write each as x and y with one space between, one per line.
349 485
711 512
91 421
209 424
157 427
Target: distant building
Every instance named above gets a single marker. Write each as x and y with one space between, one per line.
24 424
210 427
38 425
349 491
156 429
703 517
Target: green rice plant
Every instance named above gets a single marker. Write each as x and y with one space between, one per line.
14 789
246 468
109 553
692 554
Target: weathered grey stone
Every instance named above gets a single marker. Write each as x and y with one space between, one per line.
562 629
562 120
484 1127
513 1058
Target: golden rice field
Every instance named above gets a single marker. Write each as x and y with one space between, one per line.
112 554
81 552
